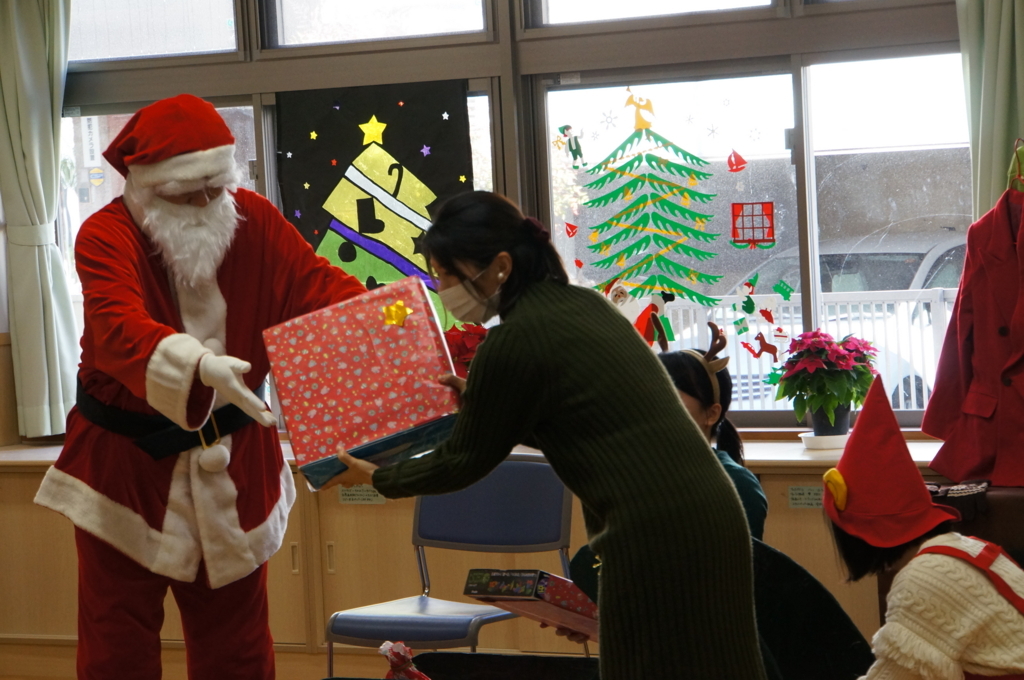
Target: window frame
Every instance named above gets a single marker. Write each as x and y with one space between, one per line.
240 53
264 47
515 64
534 29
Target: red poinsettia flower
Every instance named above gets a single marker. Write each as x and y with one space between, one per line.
809 364
858 346
843 361
818 339
462 344
836 353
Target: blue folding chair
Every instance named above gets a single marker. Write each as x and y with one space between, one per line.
521 506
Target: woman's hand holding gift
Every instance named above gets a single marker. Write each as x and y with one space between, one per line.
455 382
358 472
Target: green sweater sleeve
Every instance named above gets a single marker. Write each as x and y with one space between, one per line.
500 407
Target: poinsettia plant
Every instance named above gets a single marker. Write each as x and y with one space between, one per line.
822 374
462 344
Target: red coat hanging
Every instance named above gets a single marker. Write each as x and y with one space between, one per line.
977 405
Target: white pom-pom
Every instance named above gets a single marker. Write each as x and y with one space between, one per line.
215 458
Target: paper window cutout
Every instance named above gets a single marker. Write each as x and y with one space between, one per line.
736 162
753 225
783 289
764 347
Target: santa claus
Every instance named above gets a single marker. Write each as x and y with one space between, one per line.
172 471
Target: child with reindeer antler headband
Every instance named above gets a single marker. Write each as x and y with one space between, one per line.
705 386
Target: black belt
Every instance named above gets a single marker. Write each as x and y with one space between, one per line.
157 435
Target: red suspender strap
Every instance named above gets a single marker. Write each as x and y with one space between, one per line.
983 561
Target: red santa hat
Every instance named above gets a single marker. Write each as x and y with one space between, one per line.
876 492
177 145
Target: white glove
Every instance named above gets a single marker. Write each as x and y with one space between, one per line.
221 373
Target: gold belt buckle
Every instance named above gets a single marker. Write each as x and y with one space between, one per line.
216 432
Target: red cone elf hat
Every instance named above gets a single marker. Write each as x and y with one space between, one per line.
876 492
179 144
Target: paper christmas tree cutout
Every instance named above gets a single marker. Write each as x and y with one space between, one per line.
657 235
381 207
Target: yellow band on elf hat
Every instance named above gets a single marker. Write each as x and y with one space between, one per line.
837 487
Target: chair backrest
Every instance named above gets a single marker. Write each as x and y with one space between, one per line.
521 506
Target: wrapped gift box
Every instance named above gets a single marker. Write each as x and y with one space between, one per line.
363 373
537 595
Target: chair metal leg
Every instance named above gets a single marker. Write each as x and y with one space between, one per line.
563 553
330 659
586 649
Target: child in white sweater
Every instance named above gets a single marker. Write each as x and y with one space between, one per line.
956 606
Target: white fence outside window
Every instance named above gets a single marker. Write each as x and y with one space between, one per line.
906 326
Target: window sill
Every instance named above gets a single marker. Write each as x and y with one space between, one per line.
792 434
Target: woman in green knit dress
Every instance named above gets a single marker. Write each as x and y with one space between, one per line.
568 374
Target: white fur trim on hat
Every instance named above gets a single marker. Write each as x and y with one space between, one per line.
208 167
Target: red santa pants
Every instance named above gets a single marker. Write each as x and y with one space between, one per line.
121 611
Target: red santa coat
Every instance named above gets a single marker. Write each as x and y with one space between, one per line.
977 405
142 344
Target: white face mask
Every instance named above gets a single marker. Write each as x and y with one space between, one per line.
465 304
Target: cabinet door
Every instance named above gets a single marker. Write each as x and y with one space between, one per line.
287 579
802 533
38 565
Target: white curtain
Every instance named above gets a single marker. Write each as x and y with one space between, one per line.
992 44
33 63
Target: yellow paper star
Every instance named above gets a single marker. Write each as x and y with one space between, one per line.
685 200
312 135
693 180
373 131
462 178
593 237
605 248
395 314
621 261
306 185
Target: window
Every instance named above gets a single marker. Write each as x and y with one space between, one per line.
576 11
313 22
124 29
480 141
88 182
684 188
892 171
888 170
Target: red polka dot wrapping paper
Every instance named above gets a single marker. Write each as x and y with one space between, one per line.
360 370
566 594
538 595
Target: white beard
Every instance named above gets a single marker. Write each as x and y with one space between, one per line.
191 240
